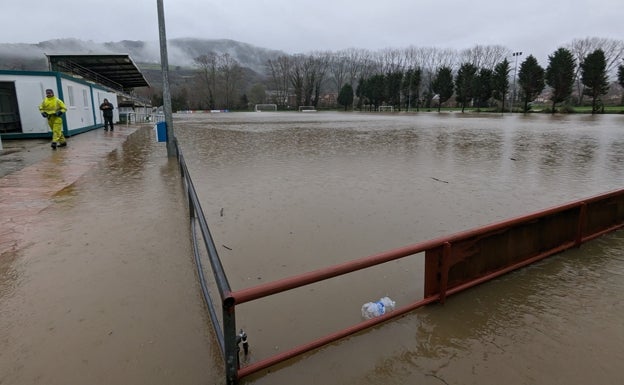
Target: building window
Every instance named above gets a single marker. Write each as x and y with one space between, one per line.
70 96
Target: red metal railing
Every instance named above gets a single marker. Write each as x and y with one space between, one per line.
458 262
452 264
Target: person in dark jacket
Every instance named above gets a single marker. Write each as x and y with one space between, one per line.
107 110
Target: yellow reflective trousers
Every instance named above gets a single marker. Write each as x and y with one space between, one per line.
56 125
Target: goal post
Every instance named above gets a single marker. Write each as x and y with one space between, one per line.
385 109
307 109
265 107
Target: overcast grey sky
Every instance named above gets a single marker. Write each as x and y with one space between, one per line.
532 26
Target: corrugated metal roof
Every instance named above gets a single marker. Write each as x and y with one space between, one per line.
117 71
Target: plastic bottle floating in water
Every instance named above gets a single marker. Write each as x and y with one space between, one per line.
375 309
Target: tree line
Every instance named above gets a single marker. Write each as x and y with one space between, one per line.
414 77
484 87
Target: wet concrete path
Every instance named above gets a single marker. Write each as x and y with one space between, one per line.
97 282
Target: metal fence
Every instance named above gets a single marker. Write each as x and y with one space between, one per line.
452 264
135 117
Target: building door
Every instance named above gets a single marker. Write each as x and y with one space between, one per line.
9 112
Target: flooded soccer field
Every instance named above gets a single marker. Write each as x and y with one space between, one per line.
287 193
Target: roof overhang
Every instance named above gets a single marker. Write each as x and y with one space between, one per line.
118 69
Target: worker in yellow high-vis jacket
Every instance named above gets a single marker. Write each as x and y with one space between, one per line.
53 108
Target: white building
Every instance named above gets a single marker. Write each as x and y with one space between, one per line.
81 81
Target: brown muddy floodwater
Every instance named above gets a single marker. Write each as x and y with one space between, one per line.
287 193
103 289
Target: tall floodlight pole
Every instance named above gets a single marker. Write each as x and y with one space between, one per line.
513 97
164 63
409 91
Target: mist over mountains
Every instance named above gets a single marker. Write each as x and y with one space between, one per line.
180 52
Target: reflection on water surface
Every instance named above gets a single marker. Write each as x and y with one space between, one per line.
302 191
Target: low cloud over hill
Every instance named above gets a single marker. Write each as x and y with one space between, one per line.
181 52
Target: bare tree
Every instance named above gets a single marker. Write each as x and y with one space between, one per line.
280 73
208 65
391 61
338 69
359 63
296 77
370 65
484 56
415 59
310 73
307 74
322 60
231 73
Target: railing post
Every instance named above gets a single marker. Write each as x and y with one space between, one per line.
191 206
446 262
581 224
231 345
433 275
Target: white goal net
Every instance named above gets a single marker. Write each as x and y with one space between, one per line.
265 107
385 109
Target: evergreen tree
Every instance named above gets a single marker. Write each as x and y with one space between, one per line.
531 80
373 90
360 92
560 75
393 88
594 76
442 84
345 97
465 84
483 87
377 90
500 82
411 87
621 79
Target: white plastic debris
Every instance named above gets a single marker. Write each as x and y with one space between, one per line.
375 309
